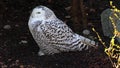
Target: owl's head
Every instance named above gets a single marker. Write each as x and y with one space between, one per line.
42 13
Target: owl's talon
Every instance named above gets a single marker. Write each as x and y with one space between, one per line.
40 53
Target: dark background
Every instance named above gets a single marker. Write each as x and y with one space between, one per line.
19 50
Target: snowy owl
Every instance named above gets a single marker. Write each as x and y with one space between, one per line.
52 35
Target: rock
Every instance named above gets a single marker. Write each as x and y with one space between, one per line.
23 42
7 27
67 16
86 32
107 26
68 8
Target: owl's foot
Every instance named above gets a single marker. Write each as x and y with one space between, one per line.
40 53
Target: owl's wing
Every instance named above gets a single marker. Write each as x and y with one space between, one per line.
59 34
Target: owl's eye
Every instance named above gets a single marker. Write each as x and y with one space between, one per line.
38 12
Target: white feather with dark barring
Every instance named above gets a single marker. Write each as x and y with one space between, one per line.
53 35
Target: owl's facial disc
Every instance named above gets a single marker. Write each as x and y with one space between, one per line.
38 13
42 12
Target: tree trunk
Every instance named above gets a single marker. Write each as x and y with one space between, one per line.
78 15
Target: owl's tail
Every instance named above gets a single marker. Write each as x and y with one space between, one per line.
83 43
